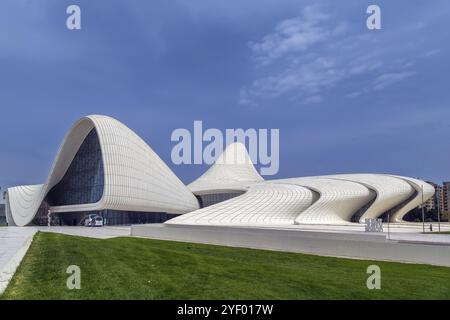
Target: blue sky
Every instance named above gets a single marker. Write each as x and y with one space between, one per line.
346 99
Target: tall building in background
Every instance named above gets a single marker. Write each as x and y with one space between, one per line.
437 199
440 199
445 198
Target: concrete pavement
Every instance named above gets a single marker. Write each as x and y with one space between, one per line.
14 243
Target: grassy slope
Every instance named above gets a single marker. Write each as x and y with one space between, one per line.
132 268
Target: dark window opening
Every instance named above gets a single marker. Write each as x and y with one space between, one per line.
207 200
109 217
84 180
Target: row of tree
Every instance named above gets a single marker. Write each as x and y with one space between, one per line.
415 215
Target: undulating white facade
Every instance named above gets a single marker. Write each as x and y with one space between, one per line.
103 166
331 199
135 177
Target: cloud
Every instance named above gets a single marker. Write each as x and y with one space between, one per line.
307 79
293 35
312 99
432 52
389 79
305 56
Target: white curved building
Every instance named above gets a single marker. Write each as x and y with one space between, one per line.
234 194
104 168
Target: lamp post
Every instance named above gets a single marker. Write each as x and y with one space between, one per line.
49 218
423 212
389 231
439 212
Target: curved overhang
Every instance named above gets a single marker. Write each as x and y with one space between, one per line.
262 204
338 201
390 192
423 192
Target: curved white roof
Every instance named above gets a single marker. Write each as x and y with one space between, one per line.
135 177
332 199
22 203
390 191
415 199
232 170
263 204
338 201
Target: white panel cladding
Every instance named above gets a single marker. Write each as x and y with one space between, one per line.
263 204
390 191
9 218
338 198
338 201
419 186
231 169
22 203
136 179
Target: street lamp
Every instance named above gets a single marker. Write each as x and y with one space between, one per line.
439 211
49 218
423 212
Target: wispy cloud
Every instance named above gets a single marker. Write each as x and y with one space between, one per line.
307 78
389 79
306 55
294 35
432 52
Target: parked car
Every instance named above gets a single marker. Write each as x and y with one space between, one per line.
98 221
93 220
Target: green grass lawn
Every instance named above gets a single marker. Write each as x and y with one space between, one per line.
133 268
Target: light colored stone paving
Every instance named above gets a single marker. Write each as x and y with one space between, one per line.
14 243
98 232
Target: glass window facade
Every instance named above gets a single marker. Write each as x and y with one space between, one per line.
110 217
84 179
207 200
2 214
115 217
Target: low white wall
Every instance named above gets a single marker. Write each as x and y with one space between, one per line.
370 246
